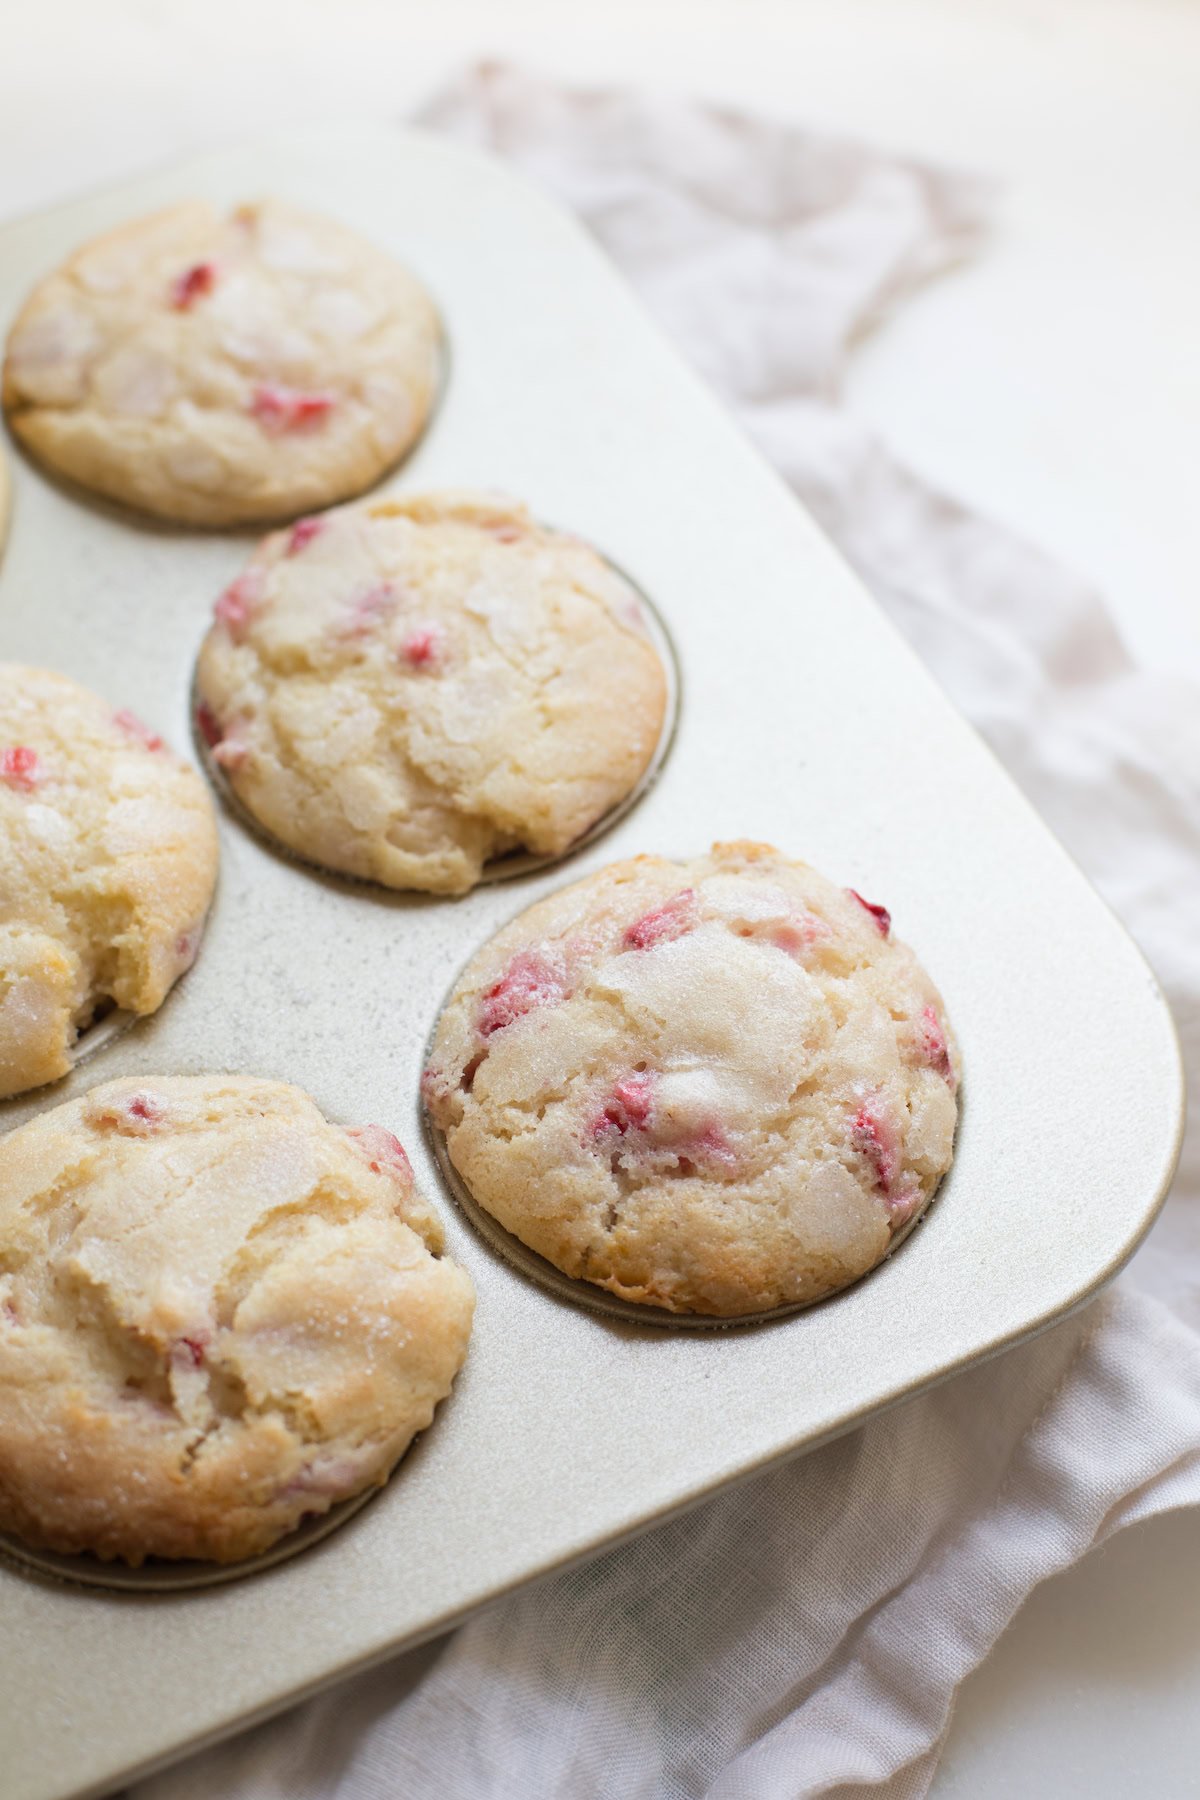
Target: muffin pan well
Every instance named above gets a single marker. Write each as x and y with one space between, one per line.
805 722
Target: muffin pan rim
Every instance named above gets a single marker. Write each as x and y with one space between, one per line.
516 1483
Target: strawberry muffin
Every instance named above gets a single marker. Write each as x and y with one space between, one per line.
108 858
223 369
406 689
219 1315
716 1087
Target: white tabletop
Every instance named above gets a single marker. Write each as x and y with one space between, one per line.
1054 383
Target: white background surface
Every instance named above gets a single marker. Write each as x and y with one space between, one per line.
1054 383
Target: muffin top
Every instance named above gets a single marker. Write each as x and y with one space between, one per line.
108 857
218 369
405 689
218 1313
718 1086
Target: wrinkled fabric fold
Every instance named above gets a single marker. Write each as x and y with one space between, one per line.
804 1633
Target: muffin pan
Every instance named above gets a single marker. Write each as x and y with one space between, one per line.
804 721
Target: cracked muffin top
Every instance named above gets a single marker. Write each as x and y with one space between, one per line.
405 689
108 858
224 369
218 1314
719 1086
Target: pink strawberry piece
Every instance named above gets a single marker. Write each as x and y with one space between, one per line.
799 933
528 982
422 648
934 1048
714 1144
186 945
278 408
880 914
709 1145
228 749
146 1109
19 768
434 1086
210 729
133 727
873 1132
504 532
633 1096
381 1149
190 1350
230 753
303 532
627 1108
902 1204
187 288
368 609
236 605
135 1115
664 923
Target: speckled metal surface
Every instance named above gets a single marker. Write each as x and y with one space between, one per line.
804 721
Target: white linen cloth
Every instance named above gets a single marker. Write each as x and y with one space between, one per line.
804 1634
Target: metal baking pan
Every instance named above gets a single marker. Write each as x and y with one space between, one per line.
804 721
